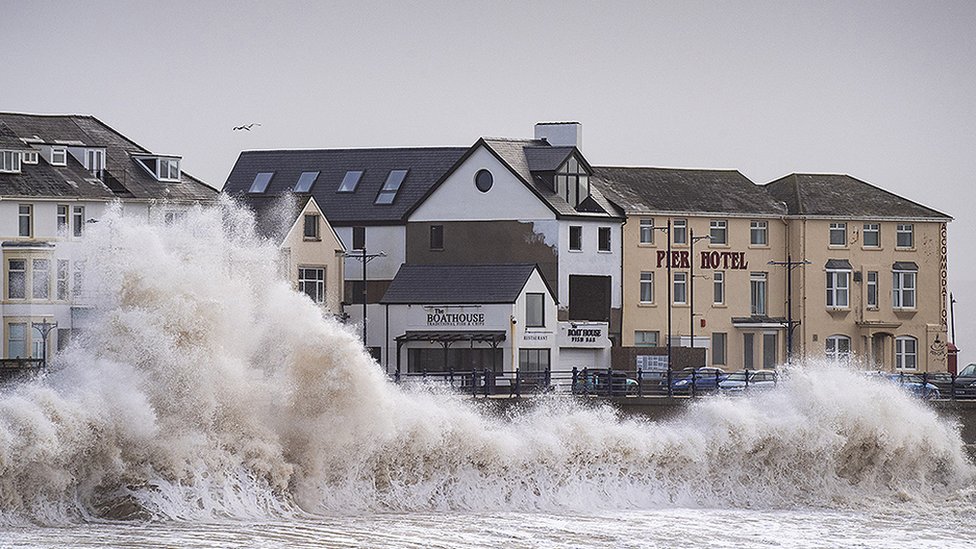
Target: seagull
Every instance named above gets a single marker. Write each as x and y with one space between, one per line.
246 127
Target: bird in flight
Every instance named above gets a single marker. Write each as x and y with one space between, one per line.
246 127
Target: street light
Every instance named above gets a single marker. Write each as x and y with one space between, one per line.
790 325
45 329
691 281
365 258
667 231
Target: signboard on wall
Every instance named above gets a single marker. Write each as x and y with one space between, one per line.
453 317
592 335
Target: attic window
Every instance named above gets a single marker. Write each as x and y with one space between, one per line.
59 156
169 169
572 182
30 157
306 181
390 188
350 181
261 181
10 161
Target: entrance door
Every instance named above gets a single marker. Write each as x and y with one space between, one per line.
769 351
747 351
877 351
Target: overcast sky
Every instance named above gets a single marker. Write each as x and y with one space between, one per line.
883 91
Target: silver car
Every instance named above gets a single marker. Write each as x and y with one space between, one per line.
748 379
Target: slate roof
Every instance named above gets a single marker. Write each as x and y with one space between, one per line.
546 159
445 284
839 195
643 190
517 152
425 165
124 177
9 140
274 216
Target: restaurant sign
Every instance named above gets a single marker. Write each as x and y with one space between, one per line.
583 334
454 317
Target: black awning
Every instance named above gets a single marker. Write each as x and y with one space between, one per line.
904 266
492 336
838 265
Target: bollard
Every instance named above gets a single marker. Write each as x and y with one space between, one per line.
518 378
610 392
640 383
450 377
474 382
952 388
694 382
574 388
486 382
670 390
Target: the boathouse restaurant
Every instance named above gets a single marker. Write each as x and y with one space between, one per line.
477 317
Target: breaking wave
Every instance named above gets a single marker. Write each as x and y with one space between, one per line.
206 387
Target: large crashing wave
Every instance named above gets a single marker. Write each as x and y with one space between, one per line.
207 387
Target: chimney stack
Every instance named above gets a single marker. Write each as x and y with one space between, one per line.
561 134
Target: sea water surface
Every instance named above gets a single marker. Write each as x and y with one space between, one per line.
208 404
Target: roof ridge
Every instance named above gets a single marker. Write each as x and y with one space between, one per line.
410 148
727 170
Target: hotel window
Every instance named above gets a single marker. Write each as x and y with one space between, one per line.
905 236
62 220
311 282
62 279
871 235
838 288
603 243
718 231
311 227
10 161
903 288
645 338
17 340
59 156
533 360
647 231
719 342
78 276
437 237
535 310
359 238
838 234
758 235
680 288
872 290
24 214
718 287
906 353
41 279
575 238
78 220
679 230
17 279
838 348
757 294
647 287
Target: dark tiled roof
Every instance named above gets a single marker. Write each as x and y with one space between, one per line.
426 166
444 284
639 190
514 152
10 140
124 177
274 216
546 159
837 195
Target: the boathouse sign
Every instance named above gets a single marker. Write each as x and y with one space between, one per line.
681 259
450 316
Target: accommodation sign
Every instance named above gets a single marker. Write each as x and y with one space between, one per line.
446 317
681 259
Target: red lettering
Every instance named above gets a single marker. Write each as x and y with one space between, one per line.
743 264
660 258
725 260
685 264
675 259
735 261
705 263
714 259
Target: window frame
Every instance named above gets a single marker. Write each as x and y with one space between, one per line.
833 351
646 281
391 187
679 226
530 297
23 276
313 221
646 229
436 240
905 229
25 329
309 178
683 284
869 286
902 354
314 283
63 219
604 239
578 229
720 359
841 228
835 290
61 152
758 280
758 227
643 339
63 269
531 359
40 287
350 181
10 161
718 287
720 226
25 220
78 221
871 228
899 289
359 234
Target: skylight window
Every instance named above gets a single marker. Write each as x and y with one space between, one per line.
261 181
306 181
390 188
350 181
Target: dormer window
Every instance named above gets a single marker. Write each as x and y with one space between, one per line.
572 182
10 161
95 161
163 168
59 156
30 157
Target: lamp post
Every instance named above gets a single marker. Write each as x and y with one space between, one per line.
667 231
692 239
44 328
365 258
790 324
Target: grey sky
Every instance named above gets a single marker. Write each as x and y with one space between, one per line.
882 91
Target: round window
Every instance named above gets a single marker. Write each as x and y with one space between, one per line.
483 180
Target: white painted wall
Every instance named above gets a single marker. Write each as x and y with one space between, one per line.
458 199
389 239
590 261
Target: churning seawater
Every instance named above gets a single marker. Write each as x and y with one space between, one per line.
208 404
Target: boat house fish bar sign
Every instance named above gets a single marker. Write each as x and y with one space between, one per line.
681 259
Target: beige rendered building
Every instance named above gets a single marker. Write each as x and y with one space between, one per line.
877 294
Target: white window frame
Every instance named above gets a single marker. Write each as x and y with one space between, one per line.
579 247
24 277
63 218
59 153
758 228
903 286
679 227
40 279
718 227
834 351
680 281
840 228
78 221
903 229
314 283
757 281
25 212
23 340
871 284
871 228
647 232
63 292
166 167
29 157
646 283
95 161
905 358
10 161
647 338
530 297
838 288
718 288
600 232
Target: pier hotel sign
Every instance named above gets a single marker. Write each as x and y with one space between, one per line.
681 259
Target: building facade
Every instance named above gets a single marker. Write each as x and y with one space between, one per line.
58 174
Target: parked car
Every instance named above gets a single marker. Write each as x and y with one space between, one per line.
964 385
706 378
604 382
914 385
748 379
